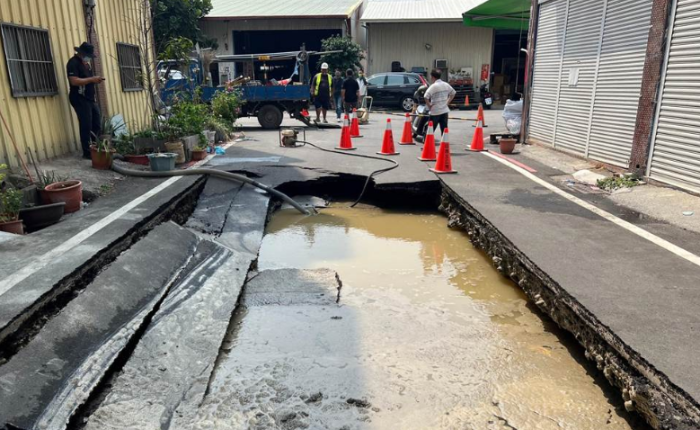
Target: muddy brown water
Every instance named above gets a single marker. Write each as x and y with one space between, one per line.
438 338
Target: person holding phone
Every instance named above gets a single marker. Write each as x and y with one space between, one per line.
82 82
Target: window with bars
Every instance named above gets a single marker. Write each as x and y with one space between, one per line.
130 71
29 61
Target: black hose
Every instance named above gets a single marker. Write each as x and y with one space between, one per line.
219 174
371 157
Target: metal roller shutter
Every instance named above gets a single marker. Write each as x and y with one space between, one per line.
619 80
547 65
578 75
675 156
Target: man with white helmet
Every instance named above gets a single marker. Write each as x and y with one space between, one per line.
321 90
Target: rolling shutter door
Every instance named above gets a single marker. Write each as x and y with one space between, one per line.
578 75
675 157
619 80
547 65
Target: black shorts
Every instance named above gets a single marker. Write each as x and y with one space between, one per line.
322 103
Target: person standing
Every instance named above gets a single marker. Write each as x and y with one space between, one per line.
438 98
321 90
337 94
362 82
82 93
350 92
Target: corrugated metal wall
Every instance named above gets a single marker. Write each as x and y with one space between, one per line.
405 42
46 125
118 22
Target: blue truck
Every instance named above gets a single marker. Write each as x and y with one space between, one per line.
266 99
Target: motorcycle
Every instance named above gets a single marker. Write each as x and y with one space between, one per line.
486 97
421 115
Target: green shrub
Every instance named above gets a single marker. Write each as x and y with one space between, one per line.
187 119
225 106
11 200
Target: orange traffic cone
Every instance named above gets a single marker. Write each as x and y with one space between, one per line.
354 124
305 113
407 135
429 145
466 100
478 139
388 142
444 159
345 140
480 116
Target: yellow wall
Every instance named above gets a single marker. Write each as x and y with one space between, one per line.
118 22
47 125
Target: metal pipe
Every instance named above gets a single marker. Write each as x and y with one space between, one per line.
219 174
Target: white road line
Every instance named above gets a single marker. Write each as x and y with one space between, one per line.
76 240
687 255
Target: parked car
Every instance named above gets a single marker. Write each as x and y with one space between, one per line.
394 89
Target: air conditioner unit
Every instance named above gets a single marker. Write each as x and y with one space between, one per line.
441 64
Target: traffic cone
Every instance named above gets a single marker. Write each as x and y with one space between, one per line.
388 142
345 140
480 116
354 124
305 113
444 159
429 145
478 139
466 100
407 135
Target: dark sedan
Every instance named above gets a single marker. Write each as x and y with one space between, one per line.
394 89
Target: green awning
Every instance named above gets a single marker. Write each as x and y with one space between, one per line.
499 14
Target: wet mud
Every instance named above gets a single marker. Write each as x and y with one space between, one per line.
427 334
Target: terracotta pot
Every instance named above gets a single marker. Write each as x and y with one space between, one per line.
101 160
507 145
14 227
70 192
198 155
137 159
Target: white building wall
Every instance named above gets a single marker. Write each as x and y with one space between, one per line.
405 42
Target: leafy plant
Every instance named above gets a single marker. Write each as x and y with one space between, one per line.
225 105
188 118
178 49
125 145
48 178
179 18
617 182
350 56
11 200
220 126
203 142
2 175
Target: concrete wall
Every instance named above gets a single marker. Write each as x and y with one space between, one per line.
461 46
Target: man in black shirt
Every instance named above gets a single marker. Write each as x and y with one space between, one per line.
82 95
351 91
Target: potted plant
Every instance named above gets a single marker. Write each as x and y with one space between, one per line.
200 151
125 147
149 141
162 161
507 145
173 144
11 201
101 153
69 192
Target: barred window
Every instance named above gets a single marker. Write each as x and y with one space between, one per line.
129 57
29 61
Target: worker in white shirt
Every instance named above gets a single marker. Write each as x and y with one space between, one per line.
438 99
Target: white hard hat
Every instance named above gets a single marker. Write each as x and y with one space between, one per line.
324 66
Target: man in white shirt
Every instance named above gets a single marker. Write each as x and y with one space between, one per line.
438 99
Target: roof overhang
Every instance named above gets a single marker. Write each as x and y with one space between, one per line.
416 20
273 17
500 15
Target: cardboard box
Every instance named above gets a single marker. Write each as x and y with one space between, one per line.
498 81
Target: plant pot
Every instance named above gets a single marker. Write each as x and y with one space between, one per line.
15 227
199 154
178 149
507 145
42 216
162 162
70 192
190 143
137 159
101 160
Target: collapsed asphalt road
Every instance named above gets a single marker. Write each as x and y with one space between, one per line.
76 340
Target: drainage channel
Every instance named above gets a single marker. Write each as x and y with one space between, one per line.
429 335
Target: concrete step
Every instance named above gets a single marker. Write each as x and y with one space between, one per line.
55 373
213 206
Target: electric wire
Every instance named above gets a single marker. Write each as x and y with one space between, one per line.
371 157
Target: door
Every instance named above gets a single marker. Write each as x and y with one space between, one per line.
375 87
545 77
394 88
675 153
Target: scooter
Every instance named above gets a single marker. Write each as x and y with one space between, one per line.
421 115
486 97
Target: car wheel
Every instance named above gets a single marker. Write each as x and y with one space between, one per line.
407 104
270 117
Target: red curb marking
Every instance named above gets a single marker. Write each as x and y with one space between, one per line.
517 163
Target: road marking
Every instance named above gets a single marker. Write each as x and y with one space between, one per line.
76 240
687 255
516 162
